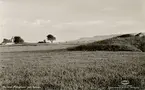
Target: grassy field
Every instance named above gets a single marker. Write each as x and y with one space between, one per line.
71 70
34 47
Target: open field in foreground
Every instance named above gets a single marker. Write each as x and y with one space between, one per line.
71 70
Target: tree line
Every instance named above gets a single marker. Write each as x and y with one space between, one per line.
19 40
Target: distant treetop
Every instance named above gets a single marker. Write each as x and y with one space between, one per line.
51 38
18 40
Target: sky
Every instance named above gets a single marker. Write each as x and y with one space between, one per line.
68 20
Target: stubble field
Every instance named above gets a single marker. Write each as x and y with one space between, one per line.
71 70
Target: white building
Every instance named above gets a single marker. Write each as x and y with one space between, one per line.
8 41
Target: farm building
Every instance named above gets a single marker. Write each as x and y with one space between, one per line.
13 40
5 41
8 41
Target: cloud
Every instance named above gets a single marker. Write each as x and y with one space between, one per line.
96 22
128 25
126 22
109 9
1 2
17 22
40 21
37 22
26 22
85 23
80 23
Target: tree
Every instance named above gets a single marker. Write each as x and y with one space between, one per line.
51 38
18 39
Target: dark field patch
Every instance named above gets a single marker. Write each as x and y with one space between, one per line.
71 70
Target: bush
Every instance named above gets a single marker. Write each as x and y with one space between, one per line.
125 35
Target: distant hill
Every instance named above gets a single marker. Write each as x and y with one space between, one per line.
125 42
85 40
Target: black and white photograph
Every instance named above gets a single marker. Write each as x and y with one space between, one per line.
72 44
